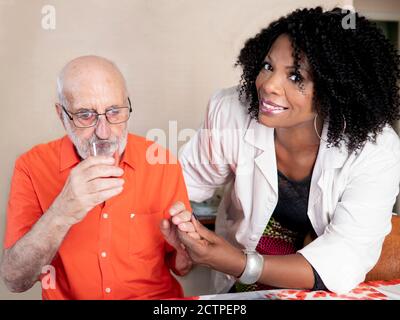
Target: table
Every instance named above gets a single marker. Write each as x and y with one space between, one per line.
373 290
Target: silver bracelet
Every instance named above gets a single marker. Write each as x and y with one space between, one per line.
254 267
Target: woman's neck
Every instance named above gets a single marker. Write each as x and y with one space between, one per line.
299 139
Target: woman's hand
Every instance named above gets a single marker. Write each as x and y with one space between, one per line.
206 248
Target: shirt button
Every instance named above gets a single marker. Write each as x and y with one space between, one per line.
105 215
132 215
104 254
108 290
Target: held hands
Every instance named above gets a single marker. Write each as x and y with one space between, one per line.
179 215
204 246
90 183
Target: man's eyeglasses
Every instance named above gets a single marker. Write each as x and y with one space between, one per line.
89 118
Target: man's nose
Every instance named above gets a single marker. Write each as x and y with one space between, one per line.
103 130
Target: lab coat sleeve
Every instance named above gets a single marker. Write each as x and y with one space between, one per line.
352 242
206 166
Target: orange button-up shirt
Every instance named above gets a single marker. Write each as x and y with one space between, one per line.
117 251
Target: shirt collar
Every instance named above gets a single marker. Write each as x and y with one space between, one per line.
68 155
129 155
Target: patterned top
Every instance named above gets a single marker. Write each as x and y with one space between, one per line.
288 226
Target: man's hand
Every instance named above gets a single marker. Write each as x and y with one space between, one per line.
180 262
180 216
90 183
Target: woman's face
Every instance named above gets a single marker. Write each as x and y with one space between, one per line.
285 98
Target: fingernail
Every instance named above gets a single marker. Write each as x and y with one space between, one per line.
165 224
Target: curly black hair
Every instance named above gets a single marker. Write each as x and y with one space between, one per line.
354 70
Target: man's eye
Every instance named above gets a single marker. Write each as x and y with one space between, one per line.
85 115
113 112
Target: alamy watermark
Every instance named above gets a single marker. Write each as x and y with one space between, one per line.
349 20
207 150
48 21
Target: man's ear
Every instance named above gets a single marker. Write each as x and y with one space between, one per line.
59 113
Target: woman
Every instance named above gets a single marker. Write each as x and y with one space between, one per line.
307 155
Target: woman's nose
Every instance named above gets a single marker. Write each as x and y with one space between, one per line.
272 84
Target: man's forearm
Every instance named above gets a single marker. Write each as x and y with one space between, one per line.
22 264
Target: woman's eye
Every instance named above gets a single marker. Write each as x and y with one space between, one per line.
296 77
266 66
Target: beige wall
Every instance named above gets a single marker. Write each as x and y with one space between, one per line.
174 54
373 6
383 10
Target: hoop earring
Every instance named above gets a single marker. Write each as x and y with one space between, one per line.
316 131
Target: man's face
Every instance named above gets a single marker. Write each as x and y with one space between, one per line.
95 90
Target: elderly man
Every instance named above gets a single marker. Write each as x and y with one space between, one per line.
94 218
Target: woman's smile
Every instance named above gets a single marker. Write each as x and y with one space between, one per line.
268 107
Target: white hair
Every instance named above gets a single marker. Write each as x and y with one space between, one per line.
83 147
60 89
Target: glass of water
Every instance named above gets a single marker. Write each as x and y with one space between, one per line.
104 148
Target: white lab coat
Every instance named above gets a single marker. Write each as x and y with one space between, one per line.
350 202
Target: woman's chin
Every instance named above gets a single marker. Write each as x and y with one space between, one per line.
266 121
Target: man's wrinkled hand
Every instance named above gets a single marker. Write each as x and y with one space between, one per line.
90 183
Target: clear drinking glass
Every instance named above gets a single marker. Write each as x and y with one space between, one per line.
104 148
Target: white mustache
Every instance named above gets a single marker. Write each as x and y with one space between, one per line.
84 147
103 147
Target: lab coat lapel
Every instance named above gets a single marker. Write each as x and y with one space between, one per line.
265 185
328 160
262 138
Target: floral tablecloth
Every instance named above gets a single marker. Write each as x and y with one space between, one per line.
374 290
